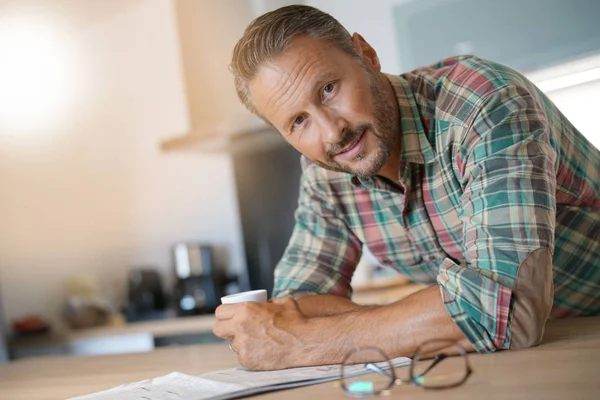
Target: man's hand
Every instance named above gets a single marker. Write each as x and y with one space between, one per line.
265 335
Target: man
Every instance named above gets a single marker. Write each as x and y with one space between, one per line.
462 175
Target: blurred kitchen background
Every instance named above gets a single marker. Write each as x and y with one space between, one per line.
135 190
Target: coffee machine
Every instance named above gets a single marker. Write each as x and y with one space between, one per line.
199 282
146 298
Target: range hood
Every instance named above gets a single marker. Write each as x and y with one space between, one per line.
207 33
248 137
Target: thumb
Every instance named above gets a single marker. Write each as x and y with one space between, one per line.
277 300
285 301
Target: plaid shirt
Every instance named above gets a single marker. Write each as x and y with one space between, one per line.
490 172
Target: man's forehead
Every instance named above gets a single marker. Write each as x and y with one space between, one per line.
270 85
302 53
304 46
305 58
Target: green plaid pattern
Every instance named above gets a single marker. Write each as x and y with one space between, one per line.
490 171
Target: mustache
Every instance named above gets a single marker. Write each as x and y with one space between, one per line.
351 136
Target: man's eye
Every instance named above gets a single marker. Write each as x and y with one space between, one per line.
299 120
328 88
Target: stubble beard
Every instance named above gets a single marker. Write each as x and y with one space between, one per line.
367 165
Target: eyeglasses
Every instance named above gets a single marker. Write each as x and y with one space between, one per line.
436 364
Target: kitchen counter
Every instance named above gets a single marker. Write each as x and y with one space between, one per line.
147 335
161 327
127 338
564 366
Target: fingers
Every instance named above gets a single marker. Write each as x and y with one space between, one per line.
230 316
285 301
225 326
277 300
226 311
224 329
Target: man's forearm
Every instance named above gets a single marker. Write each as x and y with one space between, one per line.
321 305
398 328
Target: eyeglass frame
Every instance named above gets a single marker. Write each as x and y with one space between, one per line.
394 380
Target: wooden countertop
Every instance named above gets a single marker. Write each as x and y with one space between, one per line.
564 366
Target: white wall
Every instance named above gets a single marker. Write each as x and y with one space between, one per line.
580 105
373 20
92 193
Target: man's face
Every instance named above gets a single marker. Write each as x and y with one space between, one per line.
328 105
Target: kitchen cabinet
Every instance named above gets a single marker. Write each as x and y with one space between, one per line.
3 330
526 35
3 349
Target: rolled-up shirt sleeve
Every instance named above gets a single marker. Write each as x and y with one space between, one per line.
322 253
506 162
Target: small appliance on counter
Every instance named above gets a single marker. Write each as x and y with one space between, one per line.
146 298
84 305
199 283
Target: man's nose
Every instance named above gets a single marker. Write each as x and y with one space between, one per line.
332 126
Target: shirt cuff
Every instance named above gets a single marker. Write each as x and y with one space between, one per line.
493 316
478 305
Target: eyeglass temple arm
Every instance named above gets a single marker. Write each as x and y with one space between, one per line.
373 367
439 358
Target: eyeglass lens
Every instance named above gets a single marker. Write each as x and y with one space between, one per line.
366 372
439 364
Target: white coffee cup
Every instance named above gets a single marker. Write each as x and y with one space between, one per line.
257 296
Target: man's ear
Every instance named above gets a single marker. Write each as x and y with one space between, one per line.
365 51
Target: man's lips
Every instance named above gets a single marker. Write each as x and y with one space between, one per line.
354 149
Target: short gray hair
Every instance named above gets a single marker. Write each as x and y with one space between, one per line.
271 34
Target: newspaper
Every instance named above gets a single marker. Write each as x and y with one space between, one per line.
227 384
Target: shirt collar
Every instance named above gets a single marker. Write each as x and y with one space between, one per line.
415 145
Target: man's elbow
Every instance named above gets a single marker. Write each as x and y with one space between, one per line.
532 339
533 299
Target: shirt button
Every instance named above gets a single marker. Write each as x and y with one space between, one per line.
433 258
